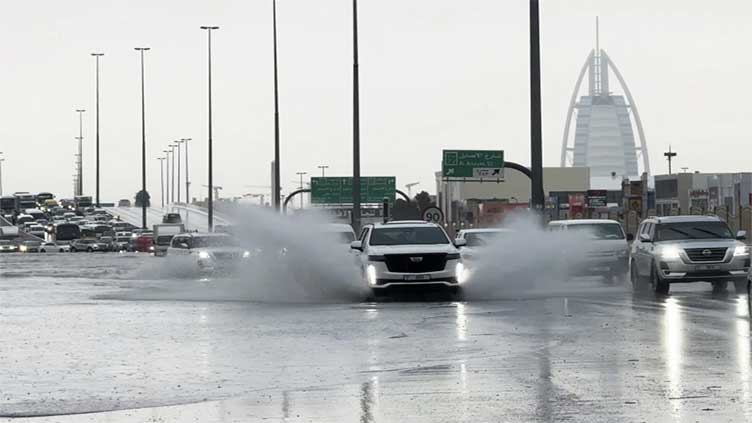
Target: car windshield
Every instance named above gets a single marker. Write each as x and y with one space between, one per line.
478 239
692 230
408 236
212 241
599 230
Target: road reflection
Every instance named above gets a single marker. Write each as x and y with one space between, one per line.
743 350
673 353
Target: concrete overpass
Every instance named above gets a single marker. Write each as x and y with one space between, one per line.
194 218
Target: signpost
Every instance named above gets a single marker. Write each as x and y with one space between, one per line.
477 164
433 214
338 190
597 198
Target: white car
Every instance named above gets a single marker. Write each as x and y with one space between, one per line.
37 230
52 247
209 251
341 233
476 240
607 254
408 253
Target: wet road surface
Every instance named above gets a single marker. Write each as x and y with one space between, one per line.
99 334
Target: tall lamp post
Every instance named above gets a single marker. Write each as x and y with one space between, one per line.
143 140
210 203
276 188
96 57
323 168
161 177
172 176
536 132
356 125
301 174
167 172
80 138
187 182
178 143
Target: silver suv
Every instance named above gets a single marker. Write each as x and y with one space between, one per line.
682 249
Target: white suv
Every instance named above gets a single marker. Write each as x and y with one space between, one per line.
408 253
209 251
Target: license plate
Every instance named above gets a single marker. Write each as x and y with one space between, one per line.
416 277
708 267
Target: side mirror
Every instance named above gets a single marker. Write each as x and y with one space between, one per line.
356 245
630 237
460 242
645 238
741 235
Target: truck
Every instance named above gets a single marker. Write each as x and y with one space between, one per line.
9 232
82 201
163 234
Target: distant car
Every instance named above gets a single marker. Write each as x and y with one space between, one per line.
172 218
52 247
7 246
144 243
37 230
122 241
209 251
477 240
341 233
606 253
23 218
108 242
29 246
124 203
88 245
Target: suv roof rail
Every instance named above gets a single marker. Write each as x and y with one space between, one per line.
406 222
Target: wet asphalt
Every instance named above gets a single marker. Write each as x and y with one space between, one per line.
98 337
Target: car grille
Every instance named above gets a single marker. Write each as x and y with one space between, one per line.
226 256
415 263
706 254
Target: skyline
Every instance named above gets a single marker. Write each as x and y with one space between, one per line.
433 77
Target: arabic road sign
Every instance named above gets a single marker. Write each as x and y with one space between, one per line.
338 190
433 214
484 164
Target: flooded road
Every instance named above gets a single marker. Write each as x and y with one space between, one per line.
102 335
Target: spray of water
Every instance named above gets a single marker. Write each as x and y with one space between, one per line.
529 261
294 260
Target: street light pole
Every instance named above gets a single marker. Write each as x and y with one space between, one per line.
536 132
97 56
301 174
323 168
143 140
178 142
161 177
167 175
80 139
210 202
187 183
277 186
172 177
356 125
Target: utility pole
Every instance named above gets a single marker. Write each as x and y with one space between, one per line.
177 144
210 203
97 56
323 168
669 156
536 132
143 140
187 182
277 186
356 124
172 177
301 174
80 138
167 172
161 177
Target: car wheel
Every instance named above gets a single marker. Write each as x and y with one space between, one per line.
42 250
62 251
89 250
638 283
740 286
73 250
660 286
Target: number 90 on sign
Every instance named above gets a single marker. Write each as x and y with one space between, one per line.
433 215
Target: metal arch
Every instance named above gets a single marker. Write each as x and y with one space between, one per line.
403 195
302 191
570 111
520 168
291 195
643 142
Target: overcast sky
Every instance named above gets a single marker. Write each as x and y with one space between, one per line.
434 74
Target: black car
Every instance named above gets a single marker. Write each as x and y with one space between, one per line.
172 218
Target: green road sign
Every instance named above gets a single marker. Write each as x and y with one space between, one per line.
485 164
338 190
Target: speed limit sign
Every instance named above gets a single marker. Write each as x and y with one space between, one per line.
433 214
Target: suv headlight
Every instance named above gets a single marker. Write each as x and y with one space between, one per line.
459 271
670 253
371 274
741 250
203 255
246 254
